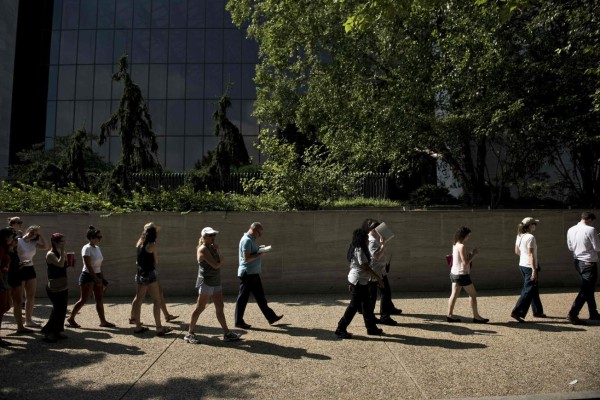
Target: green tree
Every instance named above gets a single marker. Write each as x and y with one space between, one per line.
133 124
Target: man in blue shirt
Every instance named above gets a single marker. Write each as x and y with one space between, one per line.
249 274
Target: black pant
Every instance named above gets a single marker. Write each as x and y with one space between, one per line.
56 323
589 276
385 302
359 300
251 283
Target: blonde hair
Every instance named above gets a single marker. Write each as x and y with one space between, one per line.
200 242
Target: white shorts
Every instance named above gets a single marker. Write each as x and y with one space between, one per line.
209 290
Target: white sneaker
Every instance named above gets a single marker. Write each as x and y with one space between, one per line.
231 336
191 338
33 324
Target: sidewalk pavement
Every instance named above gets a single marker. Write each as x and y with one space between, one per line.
423 358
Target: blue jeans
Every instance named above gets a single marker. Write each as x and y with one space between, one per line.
589 276
530 295
251 283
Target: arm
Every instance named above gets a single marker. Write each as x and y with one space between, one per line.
58 261
517 250
377 253
533 264
204 254
367 267
87 261
152 249
41 243
466 257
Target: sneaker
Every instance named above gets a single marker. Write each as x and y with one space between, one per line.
595 317
343 334
165 331
387 321
574 319
374 331
277 318
231 336
191 338
32 324
396 311
243 325
518 318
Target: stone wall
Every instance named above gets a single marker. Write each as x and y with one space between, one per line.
309 248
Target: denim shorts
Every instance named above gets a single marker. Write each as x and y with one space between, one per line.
209 290
146 278
461 280
87 279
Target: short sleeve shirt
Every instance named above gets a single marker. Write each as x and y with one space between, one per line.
357 275
26 251
95 257
377 266
248 245
526 242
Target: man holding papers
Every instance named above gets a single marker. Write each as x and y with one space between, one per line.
249 274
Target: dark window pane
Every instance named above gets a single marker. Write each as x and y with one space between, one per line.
214 46
114 149
64 118
140 52
85 82
233 46
174 152
215 10
83 115
117 87
104 47
68 47
124 14
54 47
175 117
232 74
213 81
248 86
161 149
52 82
158 109
193 151
249 50
101 115
122 44
249 125
177 46
102 79
194 121
86 47
106 14
176 89
195 46
159 46
57 14
66 82
51 119
234 113
88 14
160 13
70 16
196 13
227 22
178 13
210 143
141 14
158 81
139 75
210 107
194 81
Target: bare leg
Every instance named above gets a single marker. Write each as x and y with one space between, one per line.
136 306
155 294
86 291
473 300
200 306
30 287
17 296
452 300
217 299
99 296
163 303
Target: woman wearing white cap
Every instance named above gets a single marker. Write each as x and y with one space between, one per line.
526 249
208 283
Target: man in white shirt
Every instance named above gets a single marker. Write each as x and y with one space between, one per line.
583 241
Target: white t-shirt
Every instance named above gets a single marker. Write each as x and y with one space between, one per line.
26 251
95 257
583 241
458 267
377 266
525 242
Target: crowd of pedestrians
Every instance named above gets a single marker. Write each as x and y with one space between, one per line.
367 278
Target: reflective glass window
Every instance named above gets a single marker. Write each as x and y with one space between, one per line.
210 142
85 82
57 14
160 13
193 151
178 14
234 113
233 46
101 151
114 149
51 118
106 14
54 47
196 14
52 82
210 106
141 14
176 82
249 51
122 44
140 52
159 45
66 82
83 115
68 47
213 84
177 46
104 46
70 17
160 140
158 81
88 14
194 81
195 46
102 82
101 114
232 75
214 46
158 109
64 118
117 87
124 14
139 75
175 117
215 10
248 86
249 125
194 117
174 152
86 47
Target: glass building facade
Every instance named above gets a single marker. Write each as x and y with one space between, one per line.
182 53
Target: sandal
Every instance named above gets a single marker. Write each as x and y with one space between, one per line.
171 317
164 331
141 330
107 325
73 324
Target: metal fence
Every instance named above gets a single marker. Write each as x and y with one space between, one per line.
370 185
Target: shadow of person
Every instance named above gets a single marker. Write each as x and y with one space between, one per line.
426 342
262 347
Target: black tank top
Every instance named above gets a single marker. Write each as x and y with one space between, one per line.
145 260
55 272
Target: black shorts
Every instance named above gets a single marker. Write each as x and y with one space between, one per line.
145 277
87 279
23 274
461 280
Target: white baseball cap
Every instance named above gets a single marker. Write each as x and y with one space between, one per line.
208 231
529 221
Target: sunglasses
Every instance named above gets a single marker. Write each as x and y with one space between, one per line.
98 237
212 235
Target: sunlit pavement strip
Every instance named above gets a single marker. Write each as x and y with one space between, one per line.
422 358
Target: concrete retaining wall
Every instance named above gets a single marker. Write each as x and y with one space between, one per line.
309 248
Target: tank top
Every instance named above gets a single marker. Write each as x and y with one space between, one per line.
458 267
207 274
55 272
145 260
